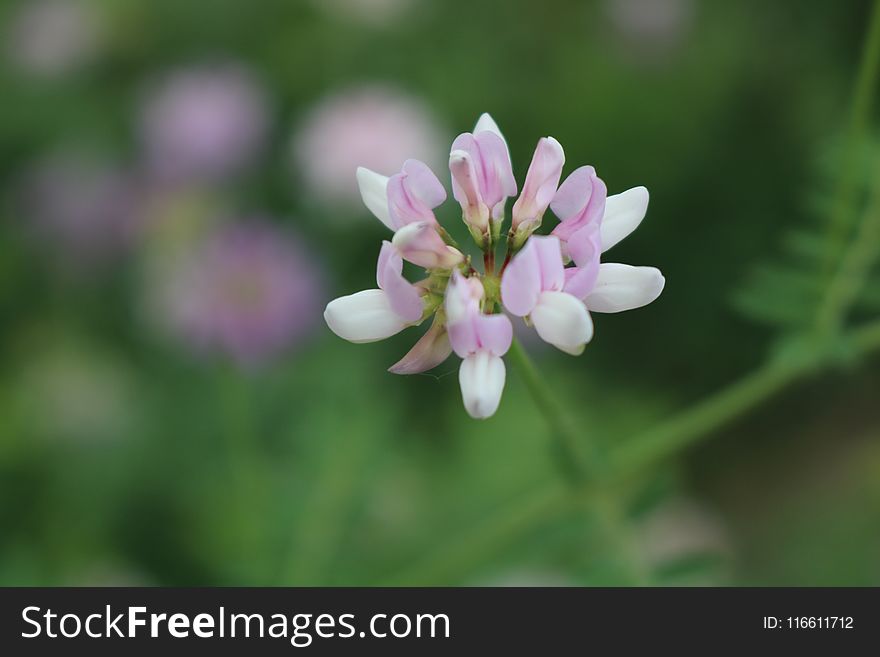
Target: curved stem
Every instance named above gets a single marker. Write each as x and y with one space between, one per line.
667 438
862 101
568 446
684 429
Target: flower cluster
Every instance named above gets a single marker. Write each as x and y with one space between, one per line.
551 281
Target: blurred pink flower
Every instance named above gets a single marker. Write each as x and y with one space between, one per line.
204 123
81 205
374 127
650 25
248 290
50 38
373 12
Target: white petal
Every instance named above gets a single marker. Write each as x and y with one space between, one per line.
363 317
482 381
624 287
487 124
373 191
563 321
623 214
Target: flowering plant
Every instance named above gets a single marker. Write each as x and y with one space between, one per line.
551 281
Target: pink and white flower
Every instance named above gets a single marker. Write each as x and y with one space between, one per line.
482 175
552 281
480 340
404 203
376 314
534 286
542 179
375 126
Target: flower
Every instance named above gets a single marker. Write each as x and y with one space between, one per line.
373 126
480 340
649 28
82 206
204 123
534 285
482 176
534 282
247 291
542 179
377 314
369 12
51 38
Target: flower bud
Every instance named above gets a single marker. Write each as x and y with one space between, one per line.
464 178
538 190
420 244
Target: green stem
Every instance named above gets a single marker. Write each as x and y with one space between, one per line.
669 437
862 100
567 443
468 548
854 268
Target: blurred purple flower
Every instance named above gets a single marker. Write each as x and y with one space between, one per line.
81 205
374 127
50 38
248 291
204 123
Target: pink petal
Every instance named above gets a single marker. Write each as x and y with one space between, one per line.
464 162
432 349
421 244
463 296
498 179
413 194
423 184
549 253
542 179
579 201
403 297
521 281
463 337
494 333
574 193
492 170
585 245
585 250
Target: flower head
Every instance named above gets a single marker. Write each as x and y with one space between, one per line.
51 38
81 205
552 281
247 291
204 122
376 127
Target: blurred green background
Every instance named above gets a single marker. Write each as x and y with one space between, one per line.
179 203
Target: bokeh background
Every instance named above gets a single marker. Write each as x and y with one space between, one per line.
179 204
